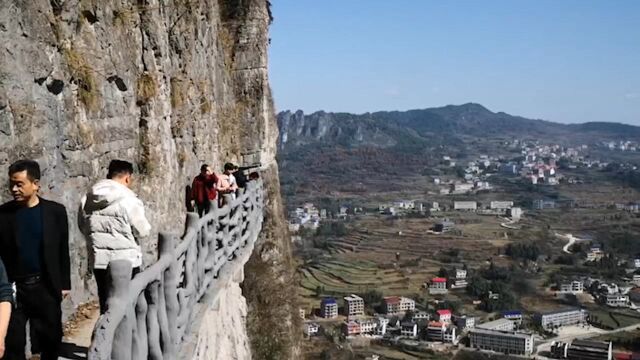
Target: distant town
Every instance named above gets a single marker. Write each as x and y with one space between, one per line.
465 305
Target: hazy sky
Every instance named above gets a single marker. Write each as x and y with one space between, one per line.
559 60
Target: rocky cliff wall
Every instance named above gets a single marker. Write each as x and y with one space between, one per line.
167 85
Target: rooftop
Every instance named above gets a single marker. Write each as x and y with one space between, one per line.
328 301
560 311
495 323
444 312
498 332
511 313
352 297
602 345
438 280
392 299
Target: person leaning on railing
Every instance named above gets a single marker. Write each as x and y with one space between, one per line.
6 299
112 219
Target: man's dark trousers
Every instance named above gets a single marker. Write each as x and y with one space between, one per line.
204 208
37 304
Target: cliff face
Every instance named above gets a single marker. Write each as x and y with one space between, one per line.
167 85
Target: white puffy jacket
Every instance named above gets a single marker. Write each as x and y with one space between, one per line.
112 218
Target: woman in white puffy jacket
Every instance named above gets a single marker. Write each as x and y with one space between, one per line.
112 219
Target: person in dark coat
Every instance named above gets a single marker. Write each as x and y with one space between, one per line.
6 300
34 246
203 189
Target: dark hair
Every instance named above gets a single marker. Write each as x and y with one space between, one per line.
254 176
203 167
229 166
118 168
30 166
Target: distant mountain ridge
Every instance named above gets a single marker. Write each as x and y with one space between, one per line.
433 125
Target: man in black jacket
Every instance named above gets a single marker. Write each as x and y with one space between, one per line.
34 246
6 298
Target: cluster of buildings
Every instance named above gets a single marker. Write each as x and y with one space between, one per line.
609 294
621 145
441 285
502 335
307 216
474 174
494 208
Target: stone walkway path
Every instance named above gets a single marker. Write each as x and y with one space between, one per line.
78 333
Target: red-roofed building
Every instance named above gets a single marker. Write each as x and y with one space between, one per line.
392 304
396 304
444 315
438 285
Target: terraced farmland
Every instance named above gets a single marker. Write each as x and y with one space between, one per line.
365 259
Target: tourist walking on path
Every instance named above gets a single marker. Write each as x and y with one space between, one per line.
227 182
112 219
203 189
6 300
34 246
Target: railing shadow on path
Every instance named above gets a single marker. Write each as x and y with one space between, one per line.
70 351
151 315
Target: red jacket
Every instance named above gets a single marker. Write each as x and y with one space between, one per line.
204 186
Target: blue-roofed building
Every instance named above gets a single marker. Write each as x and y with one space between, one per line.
513 315
328 308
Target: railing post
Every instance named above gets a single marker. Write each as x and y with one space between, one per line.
120 278
192 221
166 247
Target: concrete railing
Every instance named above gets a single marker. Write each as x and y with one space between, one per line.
150 316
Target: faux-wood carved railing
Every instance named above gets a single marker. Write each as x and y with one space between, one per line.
148 317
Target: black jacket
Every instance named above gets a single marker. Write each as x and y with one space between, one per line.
6 291
55 247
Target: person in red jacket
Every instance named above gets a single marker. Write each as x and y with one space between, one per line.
203 189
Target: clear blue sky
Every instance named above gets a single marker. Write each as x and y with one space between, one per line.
558 60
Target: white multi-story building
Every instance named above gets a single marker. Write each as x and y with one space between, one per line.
511 343
311 329
381 329
353 305
617 300
595 253
573 287
409 329
450 335
465 322
436 330
367 326
460 281
462 188
465 205
561 318
421 315
501 205
396 304
515 213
